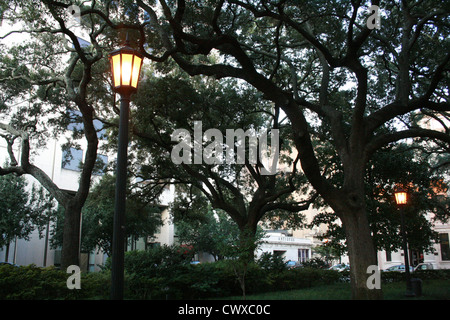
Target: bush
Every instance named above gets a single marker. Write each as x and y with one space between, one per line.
158 273
32 283
165 273
316 263
271 262
393 276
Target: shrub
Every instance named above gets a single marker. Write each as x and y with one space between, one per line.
165 273
393 276
158 273
32 283
271 262
304 278
162 273
316 263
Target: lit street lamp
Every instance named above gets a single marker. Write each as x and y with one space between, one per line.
401 197
126 66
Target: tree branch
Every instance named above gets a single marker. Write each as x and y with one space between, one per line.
27 168
382 140
392 110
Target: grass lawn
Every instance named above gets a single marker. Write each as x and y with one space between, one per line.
431 290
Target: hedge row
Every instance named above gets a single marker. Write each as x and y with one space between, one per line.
219 280
169 279
163 273
32 283
183 281
392 276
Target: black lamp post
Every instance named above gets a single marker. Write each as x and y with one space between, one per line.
126 66
401 197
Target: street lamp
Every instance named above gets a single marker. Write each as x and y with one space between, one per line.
126 66
401 197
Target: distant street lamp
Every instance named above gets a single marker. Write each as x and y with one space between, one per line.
126 66
401 197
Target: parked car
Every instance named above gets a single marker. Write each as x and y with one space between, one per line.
340 267
399 268
424 266
292 264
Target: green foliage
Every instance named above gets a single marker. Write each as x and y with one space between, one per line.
166 274
271 262
316 263
393 276
211 231
390 167
163 273
21 212
34 283
143 218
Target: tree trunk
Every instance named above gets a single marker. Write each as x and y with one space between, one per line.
361 252
7 252
71 236
246 254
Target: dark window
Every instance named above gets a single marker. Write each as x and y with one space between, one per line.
76 124
100 164
72 159
303 255
388 256
445 248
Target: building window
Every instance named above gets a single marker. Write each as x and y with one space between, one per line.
72 159
445 248
388 256
76 124
100 165
279 253
303 255
91 262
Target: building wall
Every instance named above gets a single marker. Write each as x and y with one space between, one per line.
48 159
22 252
436 258
441 260
290 248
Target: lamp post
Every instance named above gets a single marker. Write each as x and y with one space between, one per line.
126 66
401 197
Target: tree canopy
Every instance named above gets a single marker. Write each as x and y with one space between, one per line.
427 202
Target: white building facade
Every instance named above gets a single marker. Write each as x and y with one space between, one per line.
439 258
286 246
